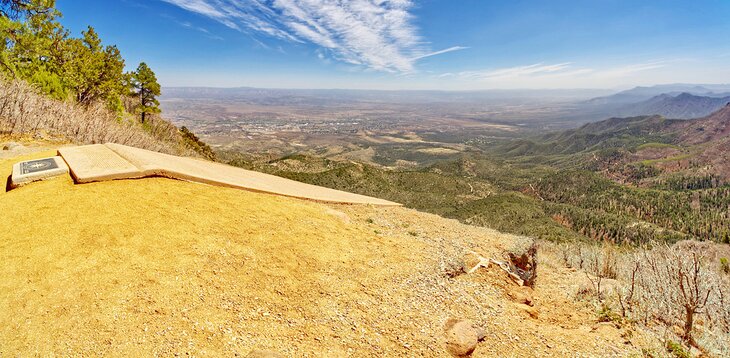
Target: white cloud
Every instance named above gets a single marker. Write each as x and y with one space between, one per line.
555 75
450 49
513 72
628 70
377 34
200 6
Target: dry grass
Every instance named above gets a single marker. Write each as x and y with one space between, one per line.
24 112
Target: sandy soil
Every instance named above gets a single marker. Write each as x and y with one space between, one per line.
16 147
165 267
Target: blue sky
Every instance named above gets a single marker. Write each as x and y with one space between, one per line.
428 44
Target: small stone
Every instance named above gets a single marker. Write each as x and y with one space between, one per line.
521 295
12 146
462 337
531 311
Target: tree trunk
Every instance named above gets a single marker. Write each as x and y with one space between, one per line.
141 100
688 323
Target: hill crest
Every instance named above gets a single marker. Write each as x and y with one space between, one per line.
714 127
161 266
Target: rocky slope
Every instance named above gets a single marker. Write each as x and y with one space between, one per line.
710 136
696 148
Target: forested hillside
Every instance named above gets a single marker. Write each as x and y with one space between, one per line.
538 201
623 180
647 151
57 85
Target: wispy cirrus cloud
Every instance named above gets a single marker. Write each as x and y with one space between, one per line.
198 28
189 25
446 50
377 34
628 70
557 74
538 69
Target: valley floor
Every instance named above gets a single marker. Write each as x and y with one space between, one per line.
159 266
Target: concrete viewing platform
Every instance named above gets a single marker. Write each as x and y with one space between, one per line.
101 162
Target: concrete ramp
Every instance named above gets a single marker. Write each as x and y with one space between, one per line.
97 162
101 162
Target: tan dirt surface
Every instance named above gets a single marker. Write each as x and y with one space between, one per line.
165 267
23 146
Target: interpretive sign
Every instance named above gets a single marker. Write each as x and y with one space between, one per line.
38 169
34 166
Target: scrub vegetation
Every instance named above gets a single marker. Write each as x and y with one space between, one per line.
55 86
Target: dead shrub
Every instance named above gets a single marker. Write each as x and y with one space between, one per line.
676 281
523 262
23 112
600 263
678 287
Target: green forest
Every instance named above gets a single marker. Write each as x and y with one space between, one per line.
36 48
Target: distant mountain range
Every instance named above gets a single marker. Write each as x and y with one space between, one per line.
680 101
681 106
639 94
689 148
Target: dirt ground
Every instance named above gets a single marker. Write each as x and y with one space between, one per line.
164 267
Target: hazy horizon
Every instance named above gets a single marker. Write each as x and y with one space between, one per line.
614 89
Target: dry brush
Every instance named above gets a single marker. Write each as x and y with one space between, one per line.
680 289
25 112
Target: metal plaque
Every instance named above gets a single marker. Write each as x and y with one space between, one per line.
35 166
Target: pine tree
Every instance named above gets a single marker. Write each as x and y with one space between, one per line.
15 9
91 70
147 89
30 32
38 49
